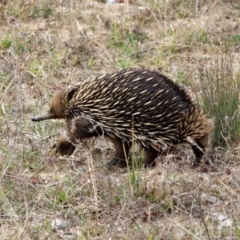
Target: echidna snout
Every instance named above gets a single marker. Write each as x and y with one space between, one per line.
56 110
43 117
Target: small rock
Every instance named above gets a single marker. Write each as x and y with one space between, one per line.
223 220
59 224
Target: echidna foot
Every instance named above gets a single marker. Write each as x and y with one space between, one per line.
151 165
118 162
64 148
200 162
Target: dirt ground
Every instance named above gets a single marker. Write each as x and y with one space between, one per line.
46 45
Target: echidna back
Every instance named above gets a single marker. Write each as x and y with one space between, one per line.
139 103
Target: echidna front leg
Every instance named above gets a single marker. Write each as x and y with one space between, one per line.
77 128
122 149
64 146
150 155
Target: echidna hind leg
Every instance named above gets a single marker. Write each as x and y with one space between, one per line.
198 154
122 150
199 149
150 155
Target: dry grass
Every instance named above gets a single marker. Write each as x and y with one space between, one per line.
45 45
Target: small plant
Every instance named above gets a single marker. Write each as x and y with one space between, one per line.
47 11
135 165
6 44
238 232
134 182
236 38
35 67
62 196
42 11
220 92
20 48
117 199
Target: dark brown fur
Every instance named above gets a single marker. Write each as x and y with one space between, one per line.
130 104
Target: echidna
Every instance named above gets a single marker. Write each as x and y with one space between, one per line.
127 105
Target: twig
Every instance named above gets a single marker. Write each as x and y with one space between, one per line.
201 214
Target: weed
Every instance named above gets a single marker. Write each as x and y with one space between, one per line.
42 11
47 11
4 150
236 39
6 44
117 199
21 48
62 197
238 232
220 90
35 68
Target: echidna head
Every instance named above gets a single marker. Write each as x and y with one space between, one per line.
59 104
56 110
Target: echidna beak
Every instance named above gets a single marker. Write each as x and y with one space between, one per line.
43 117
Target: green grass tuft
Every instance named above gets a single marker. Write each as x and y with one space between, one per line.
220 91
6 44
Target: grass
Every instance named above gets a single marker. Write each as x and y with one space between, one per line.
46 45
220 92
